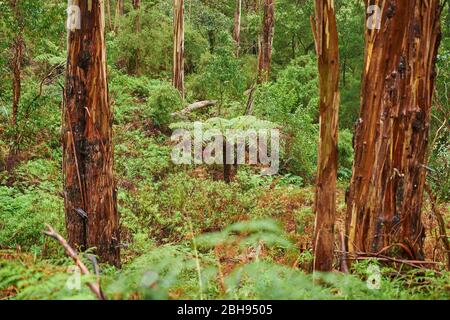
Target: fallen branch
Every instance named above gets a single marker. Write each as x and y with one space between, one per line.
196 106
95 287
366 255
441 223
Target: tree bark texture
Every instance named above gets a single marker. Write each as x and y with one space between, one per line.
327 48
391 139
90 195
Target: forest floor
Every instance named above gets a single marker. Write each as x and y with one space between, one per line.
247 239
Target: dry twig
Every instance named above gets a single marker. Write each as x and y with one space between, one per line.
95 287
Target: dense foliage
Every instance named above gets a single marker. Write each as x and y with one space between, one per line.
246 239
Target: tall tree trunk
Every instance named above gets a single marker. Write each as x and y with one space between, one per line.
18 46
137 58
327 48
386 191
90 195
118 15
237 26
108 14
137 6
178 45
16 61
266 41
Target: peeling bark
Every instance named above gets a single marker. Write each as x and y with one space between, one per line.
92 219
327 48
391 138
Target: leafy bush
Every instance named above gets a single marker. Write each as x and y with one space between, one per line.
164 101
292 101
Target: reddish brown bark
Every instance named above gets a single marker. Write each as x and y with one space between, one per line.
391 139
178 46
16 61
266 41
90 195
16 81
237 26
327 48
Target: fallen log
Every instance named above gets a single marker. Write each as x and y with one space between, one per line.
196 106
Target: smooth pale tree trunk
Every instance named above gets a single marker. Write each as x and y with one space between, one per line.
178 46
118 14
90 195
391 139
237 26
266 41
108 14
327 48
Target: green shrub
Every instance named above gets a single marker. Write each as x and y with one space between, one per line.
164 101
292 101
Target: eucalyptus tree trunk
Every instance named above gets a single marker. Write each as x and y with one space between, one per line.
16 61
327 48
237 26
391 139
108 14
266 41
137 6
16 65
178 46
118 14
90 195
138 28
